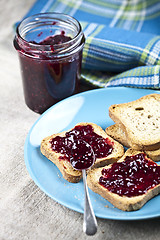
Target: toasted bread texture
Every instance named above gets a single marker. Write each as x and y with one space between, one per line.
123 202
65 167
140 121
115 131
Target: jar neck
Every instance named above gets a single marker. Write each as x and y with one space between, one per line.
33 49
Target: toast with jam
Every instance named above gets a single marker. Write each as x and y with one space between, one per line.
115 131
128 183
58 148
140 121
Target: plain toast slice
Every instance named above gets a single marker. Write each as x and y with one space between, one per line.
123 202
140 120
65 167
115 131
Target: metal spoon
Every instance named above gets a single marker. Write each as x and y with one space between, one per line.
89 220
83 160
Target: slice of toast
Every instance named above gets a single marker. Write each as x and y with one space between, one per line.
65 167
115 131
140 120
123 202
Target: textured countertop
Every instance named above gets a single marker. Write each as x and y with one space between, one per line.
25 211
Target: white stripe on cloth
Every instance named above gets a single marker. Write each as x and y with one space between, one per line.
131 81
154 54
128 23
103 52
99 9
60 8
119 44
119 14
151 10
139 27
76 7
156 76
90 28
46 6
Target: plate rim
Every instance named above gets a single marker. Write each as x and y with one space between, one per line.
120 218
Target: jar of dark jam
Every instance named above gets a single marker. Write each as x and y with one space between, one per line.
50 49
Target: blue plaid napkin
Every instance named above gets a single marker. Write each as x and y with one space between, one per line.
122 39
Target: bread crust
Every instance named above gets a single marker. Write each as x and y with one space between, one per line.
115 131
122 202
65 167
140 120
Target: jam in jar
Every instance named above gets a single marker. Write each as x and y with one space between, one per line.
50 49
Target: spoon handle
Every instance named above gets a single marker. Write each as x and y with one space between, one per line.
89 221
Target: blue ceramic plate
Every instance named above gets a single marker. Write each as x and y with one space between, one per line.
91 106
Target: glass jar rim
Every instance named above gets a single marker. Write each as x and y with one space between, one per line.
59 48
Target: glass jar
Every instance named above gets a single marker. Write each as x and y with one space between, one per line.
50 49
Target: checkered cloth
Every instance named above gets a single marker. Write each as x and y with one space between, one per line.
122 39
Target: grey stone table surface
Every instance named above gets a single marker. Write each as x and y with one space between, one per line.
25 211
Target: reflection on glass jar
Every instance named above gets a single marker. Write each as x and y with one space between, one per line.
50 49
